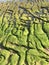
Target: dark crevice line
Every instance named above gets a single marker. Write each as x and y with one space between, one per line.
9 59
44 30
32 14
6 28
9 11
2 55
18 63
40 42
39 50
21 45
35 63
46 59
26 60
3 18
14 51
34 28
37 47
42 45
28 34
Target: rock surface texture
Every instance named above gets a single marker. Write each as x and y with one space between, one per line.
24 33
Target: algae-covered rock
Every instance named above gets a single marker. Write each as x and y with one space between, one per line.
24 33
